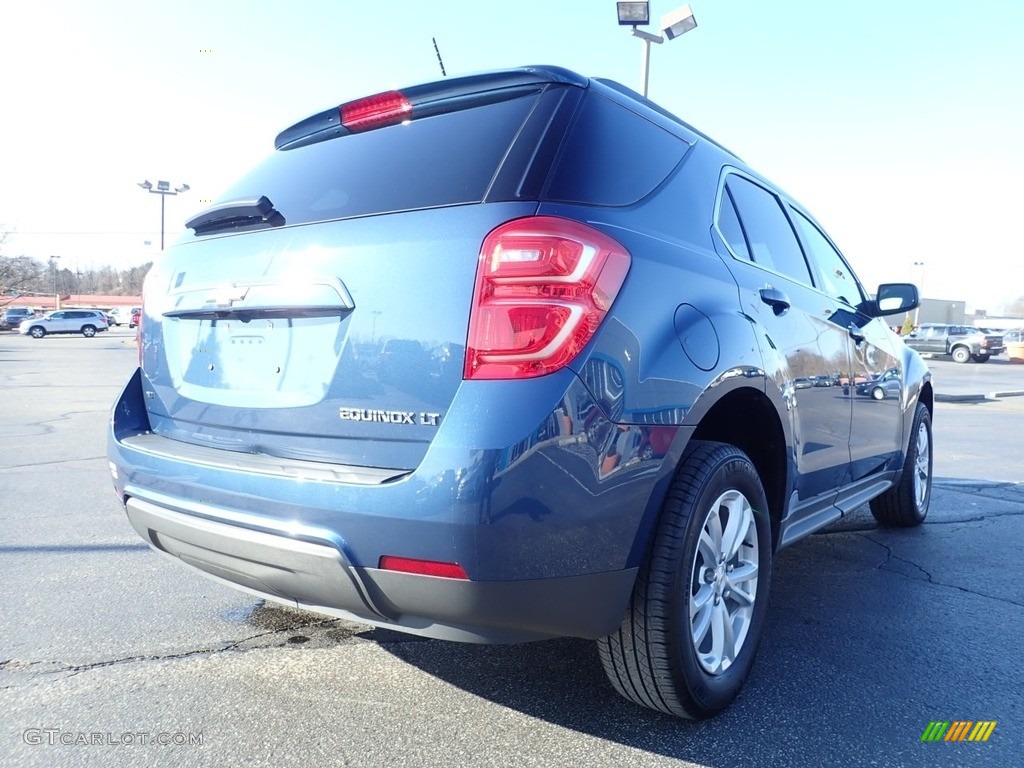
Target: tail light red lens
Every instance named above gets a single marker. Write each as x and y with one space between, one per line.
544 285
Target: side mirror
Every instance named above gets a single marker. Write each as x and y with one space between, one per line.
894 298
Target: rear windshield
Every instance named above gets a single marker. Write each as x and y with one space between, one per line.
448 159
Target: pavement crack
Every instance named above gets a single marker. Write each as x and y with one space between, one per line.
56 462
892 556
70 670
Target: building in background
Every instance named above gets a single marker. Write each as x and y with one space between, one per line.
948 311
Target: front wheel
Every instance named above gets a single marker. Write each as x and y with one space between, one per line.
961 355
37 332
906 504
694 623
878 393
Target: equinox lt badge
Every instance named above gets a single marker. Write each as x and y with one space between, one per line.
388 417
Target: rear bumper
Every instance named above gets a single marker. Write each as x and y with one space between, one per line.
307 568
548 528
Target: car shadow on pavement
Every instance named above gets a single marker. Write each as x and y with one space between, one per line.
865 643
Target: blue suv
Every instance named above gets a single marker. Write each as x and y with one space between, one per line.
515 356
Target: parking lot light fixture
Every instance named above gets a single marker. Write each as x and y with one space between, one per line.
634 13
673 24
163 188
678 22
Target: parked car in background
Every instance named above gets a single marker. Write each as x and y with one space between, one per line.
124 315
13 316
1016 336
87 322
962 343
584 419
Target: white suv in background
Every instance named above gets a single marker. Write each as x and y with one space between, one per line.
87 322
123 315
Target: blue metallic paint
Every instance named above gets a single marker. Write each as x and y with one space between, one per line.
558 476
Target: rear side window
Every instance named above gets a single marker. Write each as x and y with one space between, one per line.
613 156
729 226
447 159
773 243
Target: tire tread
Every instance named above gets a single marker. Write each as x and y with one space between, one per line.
897 507
638 658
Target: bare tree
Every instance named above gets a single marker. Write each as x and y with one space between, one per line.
19 273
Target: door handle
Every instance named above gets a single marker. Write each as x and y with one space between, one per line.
776 299
855 333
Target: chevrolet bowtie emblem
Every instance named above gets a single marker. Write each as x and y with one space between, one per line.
228 295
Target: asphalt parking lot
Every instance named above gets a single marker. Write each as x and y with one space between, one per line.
113 656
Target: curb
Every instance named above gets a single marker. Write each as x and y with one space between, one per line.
944 398
1007 393
941 397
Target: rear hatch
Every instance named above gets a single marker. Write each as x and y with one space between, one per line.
319 310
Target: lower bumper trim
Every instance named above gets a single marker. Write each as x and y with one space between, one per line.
316 575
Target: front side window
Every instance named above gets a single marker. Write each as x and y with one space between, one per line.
773 244
836 278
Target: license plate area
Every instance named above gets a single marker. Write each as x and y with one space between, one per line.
260 363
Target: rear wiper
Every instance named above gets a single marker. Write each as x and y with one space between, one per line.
237 214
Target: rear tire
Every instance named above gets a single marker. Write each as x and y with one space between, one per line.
695 619
37 332
88 331
961 355
906 505
981 358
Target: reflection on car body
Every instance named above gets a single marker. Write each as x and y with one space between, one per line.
887 384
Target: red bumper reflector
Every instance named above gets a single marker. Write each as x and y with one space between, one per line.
422 567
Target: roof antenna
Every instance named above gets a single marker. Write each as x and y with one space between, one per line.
438 52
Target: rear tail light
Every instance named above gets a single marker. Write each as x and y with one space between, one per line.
543 286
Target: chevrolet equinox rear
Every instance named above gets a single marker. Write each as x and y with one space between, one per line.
516 356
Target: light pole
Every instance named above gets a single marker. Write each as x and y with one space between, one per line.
673 24
920 289
163 188
53 263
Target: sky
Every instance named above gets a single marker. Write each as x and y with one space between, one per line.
897 124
